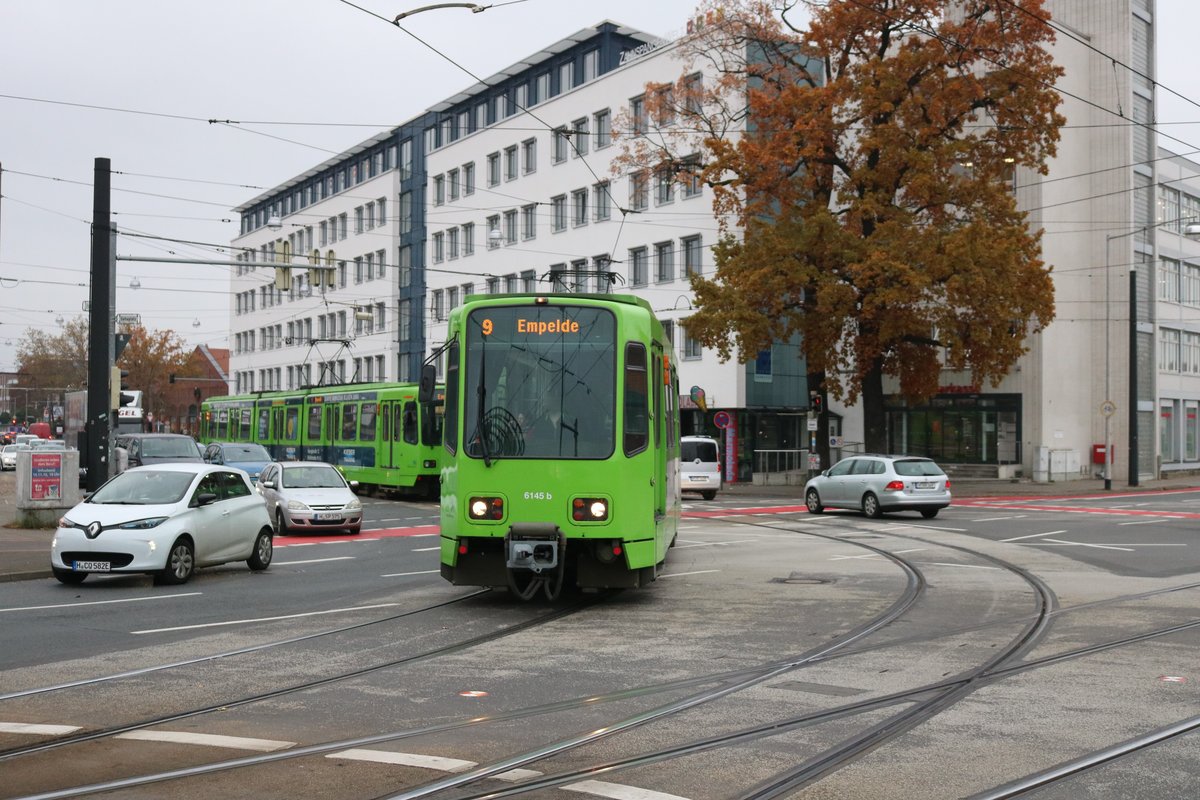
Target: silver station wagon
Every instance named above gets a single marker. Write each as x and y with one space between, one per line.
876 484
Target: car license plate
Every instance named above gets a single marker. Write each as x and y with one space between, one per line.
322 517
925 485
700 478
92 566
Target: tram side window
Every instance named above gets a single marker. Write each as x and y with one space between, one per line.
658 402
264 423
330 423
636 399
410 422
431 422
669 409
277 424
366 423
314 423
451 417
292 423
349 421
246 430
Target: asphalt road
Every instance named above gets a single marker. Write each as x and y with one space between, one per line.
822 656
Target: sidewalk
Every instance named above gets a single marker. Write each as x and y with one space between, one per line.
25 554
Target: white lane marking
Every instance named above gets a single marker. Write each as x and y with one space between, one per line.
311 561
931 528
265 619
617 791
877 555
707 544
950 564
1143 522
406 574
208 740
1084 544
102 602
425 549
405 759
1031 536
34 729
999 519
430 762
681 574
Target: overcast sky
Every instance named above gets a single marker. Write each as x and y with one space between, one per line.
287 70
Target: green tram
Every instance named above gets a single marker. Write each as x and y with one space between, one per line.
377 434
562 443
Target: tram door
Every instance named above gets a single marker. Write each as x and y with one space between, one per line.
658 410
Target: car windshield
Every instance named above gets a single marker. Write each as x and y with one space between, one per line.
311 478
917 467
144 487
246 452
172 447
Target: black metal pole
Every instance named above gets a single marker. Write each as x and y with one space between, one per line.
99 401
1133 378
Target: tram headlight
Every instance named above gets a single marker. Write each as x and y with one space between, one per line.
486 508
589 509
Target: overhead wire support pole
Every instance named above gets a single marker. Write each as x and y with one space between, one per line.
101 329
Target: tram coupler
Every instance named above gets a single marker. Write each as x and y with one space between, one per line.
533 546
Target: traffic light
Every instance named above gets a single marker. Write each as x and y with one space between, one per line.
815 403
119 398
320 277
283 279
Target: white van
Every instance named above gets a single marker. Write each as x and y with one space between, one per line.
700 465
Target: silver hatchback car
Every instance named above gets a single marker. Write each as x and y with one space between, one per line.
876 484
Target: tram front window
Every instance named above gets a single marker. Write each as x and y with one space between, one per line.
540 382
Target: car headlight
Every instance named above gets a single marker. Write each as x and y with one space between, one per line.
354 505
63 522
296 505
142 524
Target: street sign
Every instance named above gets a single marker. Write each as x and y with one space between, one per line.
1108 408
721 419
835 441
814 461
812 423
130 320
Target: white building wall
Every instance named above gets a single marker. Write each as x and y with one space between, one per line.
660 224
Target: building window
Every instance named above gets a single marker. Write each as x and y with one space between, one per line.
638 259
510 163
468 178
664 262
529 281
405 213
439 305
358 219
602 122
481 116
579 136
529 155
559 217
637 110
493 224
579 201
1168 280
439 250
452 243
664 187
521 98
691 347
1168 350
455 186
451 298
689 177
369 266
560 145
542 88
510 227
602 200
566 77
406 159
529 222
639 191
493 169
691 255
358 262
591 65
439 190
468 239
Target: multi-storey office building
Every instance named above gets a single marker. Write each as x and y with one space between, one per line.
507 186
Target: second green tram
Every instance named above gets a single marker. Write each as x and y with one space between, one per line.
377 434
562 443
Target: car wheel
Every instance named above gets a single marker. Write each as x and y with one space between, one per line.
280 525
69 577
264 548
870 506
709 495
813 501
181 563
929 513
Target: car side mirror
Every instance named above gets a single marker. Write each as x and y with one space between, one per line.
353 484
206 499
427 382
267 484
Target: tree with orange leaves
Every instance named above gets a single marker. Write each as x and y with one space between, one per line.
151 357
862 173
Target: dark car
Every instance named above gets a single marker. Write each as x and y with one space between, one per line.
243 455
158 448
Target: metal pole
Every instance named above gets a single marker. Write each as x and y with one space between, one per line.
1133 377
100 329
1107 362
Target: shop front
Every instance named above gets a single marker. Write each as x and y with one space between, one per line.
954 428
